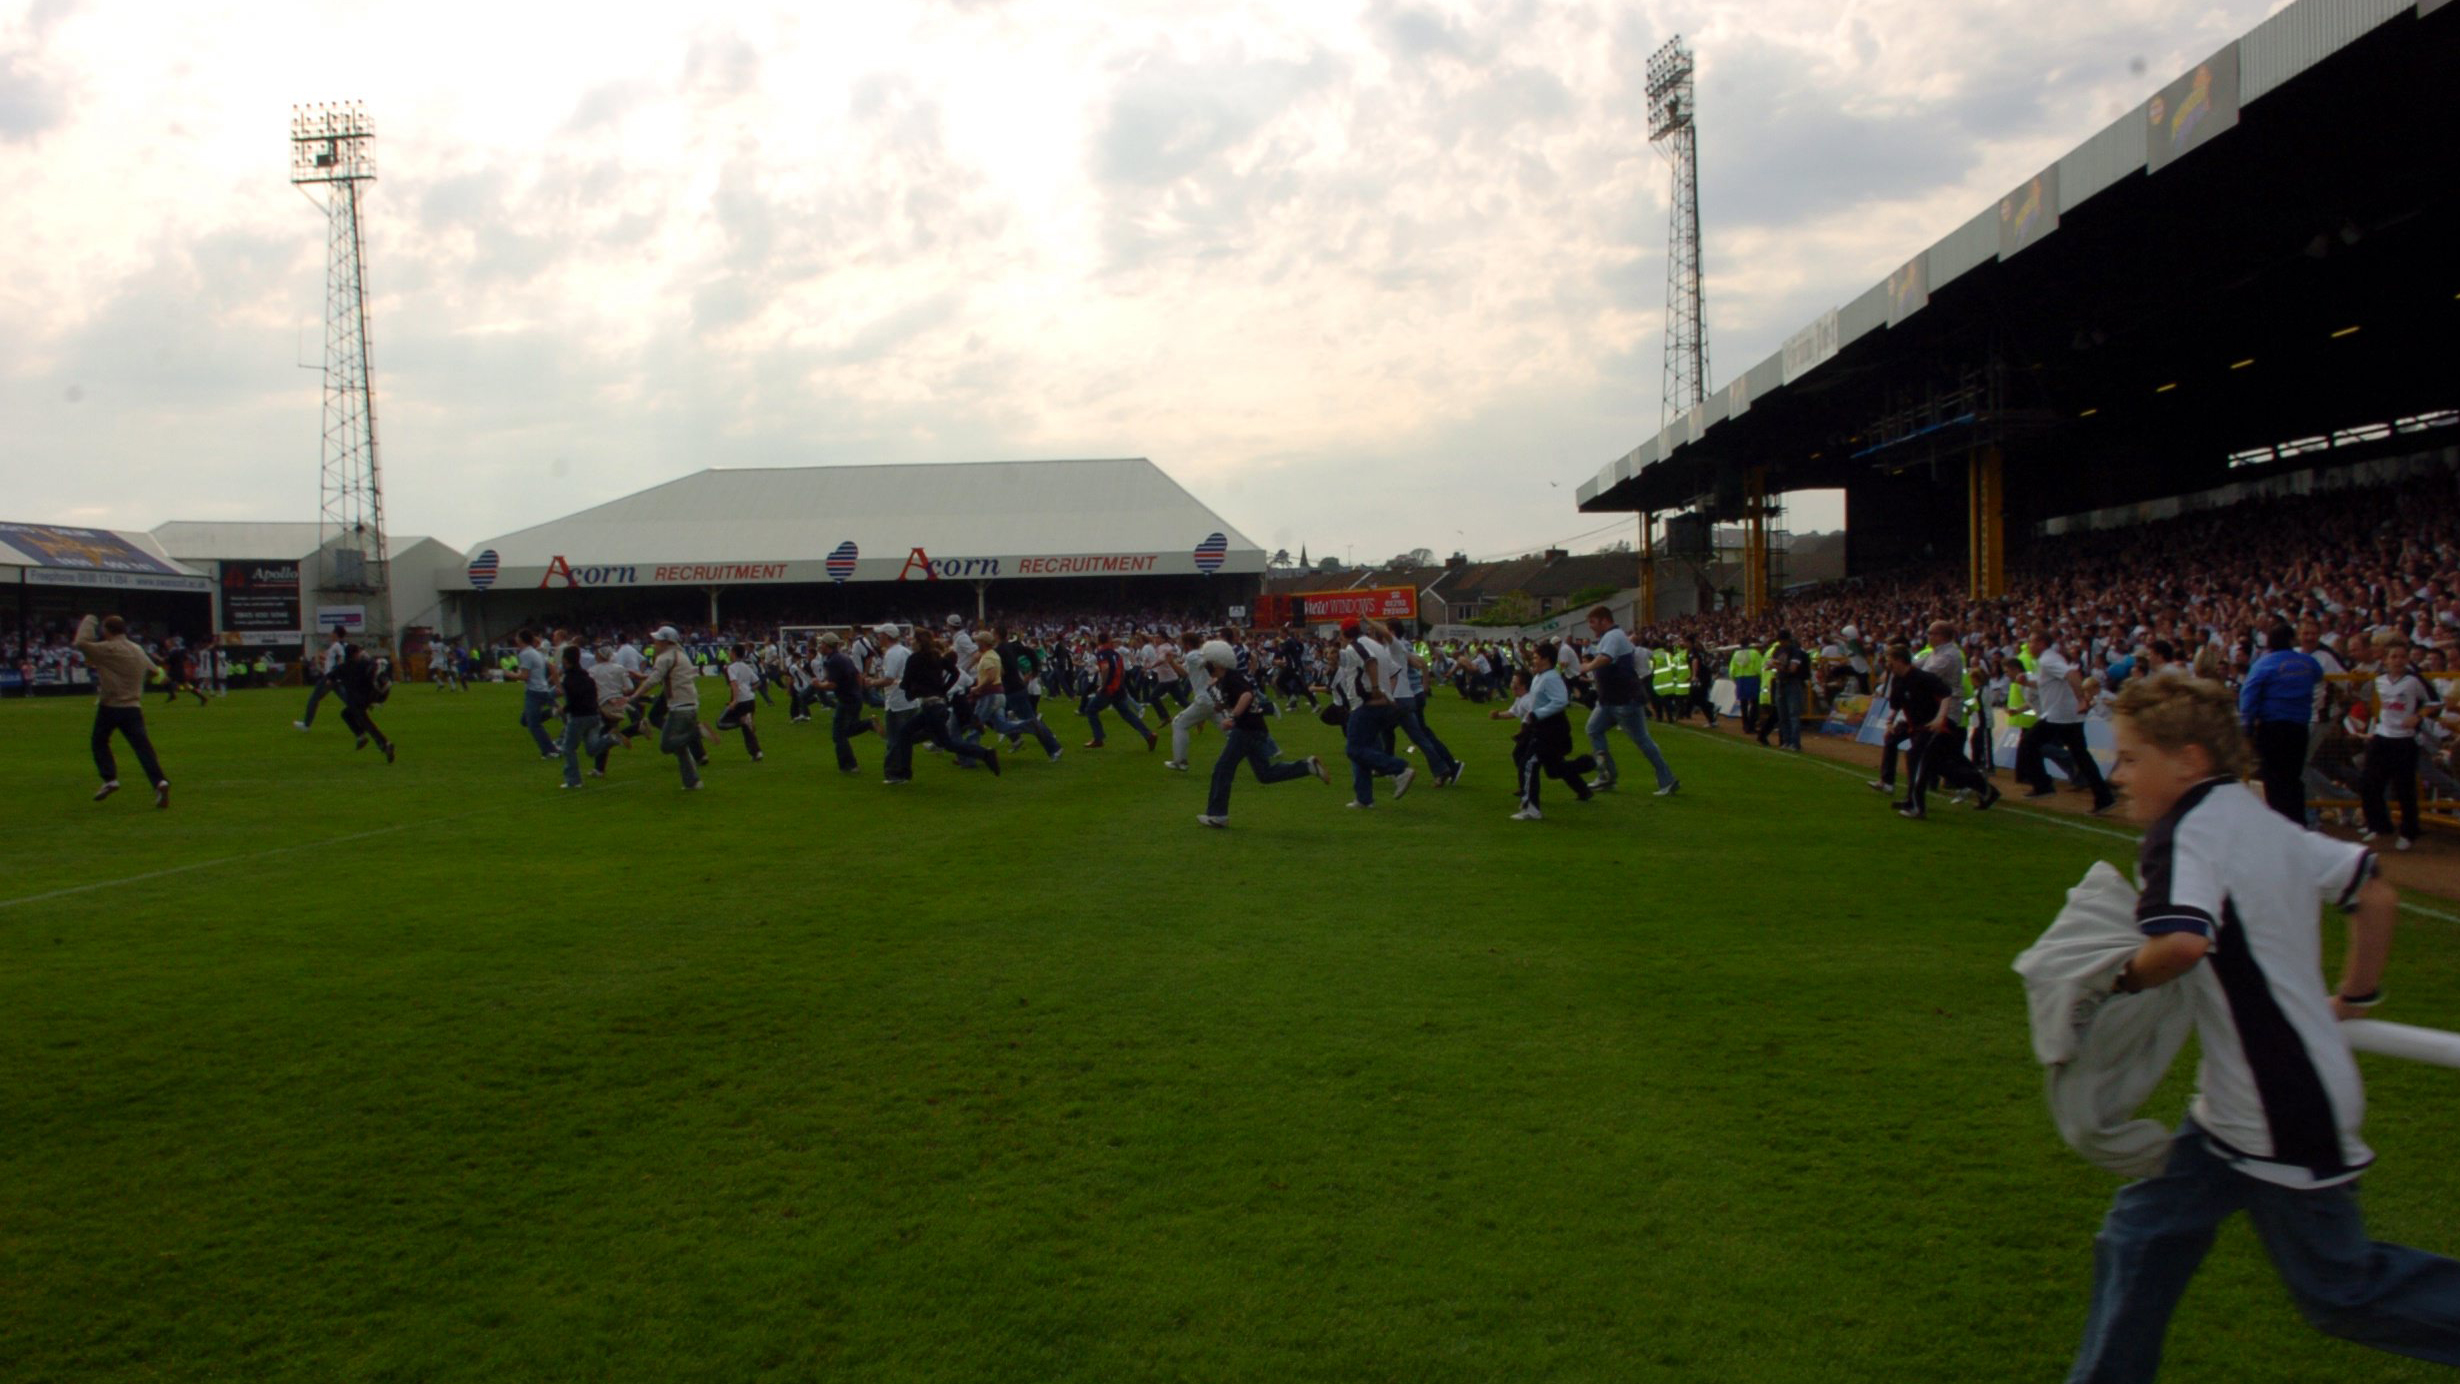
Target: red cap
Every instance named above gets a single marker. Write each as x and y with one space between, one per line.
1349 625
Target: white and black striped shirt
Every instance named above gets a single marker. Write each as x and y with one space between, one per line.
2277 1090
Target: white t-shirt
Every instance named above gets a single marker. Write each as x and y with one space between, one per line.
1163 670
2332 667
745 678
1370 649
2048 689
612 681
2277 1089
628 658
1947 663
1346 675
533 669
892 667
2400 705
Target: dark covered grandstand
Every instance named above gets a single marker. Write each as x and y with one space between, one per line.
2246 279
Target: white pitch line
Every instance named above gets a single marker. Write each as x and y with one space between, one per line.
2035 815
76 889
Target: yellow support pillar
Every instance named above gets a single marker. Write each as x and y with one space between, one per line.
1986 543
1648 572
1756 595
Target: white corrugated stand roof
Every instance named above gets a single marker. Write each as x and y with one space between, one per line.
1001 509
239 540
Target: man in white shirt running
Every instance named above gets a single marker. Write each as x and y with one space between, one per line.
1615 662
328 665
1371 716
537 693
672 675
743 677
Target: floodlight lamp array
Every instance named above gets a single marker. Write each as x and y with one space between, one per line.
333 142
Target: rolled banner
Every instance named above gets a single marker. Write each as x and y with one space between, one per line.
2403 1040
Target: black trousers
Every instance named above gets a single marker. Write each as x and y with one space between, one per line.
1897 735
129 722
363 724
2069 736
2391 764
739 717
1939 757
1542 749
2280 761
845 723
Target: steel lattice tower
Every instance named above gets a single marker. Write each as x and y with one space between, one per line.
1670 129
334 146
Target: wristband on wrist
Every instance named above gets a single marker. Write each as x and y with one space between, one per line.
2366 1001
2126 983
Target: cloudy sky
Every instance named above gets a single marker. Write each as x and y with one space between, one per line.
1363 276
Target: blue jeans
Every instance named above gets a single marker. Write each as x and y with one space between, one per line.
1099 702
1364 743
2158 1230
992 712
1789 715
930 721
845 723
535 708
680 737
1255 749
1412 714
582 736
323 685
1633 717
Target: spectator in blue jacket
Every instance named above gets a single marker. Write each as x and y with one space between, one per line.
2277 703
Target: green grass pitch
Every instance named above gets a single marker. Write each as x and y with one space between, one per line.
340 1071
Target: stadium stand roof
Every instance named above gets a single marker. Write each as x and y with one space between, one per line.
216 540
1002 519
57 555
2256 255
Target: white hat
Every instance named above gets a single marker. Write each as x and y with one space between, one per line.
888 630
665 634
1216 654
956 621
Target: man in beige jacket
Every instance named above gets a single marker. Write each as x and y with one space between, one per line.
119 668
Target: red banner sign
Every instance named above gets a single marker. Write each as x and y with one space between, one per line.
1374 603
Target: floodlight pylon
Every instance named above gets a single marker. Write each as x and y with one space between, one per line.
333 147
1673 131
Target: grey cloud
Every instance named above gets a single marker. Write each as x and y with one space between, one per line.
607 104
179 335
1168 119
1416 31
882 336
34 99
724 64
463 200
722 303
